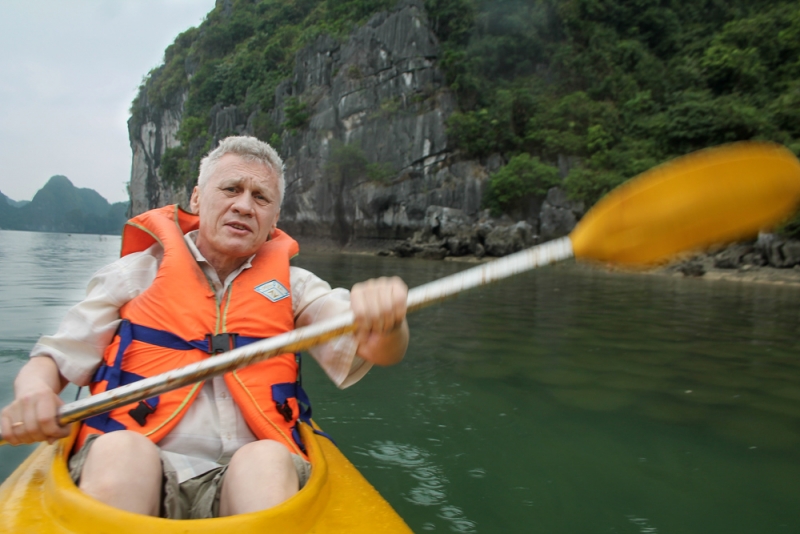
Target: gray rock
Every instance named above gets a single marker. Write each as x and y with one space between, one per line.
445 222
692 268
732 256
754 259
504 240
461 245
557 197
791 253
772 251
484 229
558 215
432 252
406 249
781 253
494 163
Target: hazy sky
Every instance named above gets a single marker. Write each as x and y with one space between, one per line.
69 70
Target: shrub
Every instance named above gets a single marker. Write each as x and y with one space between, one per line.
175 167
348 163
521 179
590 185
297 113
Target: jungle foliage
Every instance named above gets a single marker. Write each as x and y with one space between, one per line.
612 87
619 86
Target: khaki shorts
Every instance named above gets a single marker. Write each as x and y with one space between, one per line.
196 498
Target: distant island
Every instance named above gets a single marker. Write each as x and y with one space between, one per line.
61 207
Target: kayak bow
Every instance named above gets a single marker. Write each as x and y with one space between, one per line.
40 497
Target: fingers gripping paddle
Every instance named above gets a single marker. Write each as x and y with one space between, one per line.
708 197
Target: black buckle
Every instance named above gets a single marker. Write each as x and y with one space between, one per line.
218 343
285 410
140 413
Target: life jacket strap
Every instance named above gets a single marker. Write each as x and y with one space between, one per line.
281 393
129 332
115 376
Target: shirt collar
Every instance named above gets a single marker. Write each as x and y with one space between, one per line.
191 242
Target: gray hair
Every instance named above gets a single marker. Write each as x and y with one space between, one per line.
249 149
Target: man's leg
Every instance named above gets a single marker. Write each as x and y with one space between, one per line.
261 475
123 470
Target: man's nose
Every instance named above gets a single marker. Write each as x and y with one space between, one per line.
244 204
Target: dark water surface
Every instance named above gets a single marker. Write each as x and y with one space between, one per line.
562 401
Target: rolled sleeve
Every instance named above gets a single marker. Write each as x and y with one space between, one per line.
313 301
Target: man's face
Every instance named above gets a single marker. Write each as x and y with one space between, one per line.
238 208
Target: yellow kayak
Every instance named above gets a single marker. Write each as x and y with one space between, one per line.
39 497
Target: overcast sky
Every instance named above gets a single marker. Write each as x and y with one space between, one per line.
68 73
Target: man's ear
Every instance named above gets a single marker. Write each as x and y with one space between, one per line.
194 202
274 226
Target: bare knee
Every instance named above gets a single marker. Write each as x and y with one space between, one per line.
260 475
123 469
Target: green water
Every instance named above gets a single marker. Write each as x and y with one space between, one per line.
563 401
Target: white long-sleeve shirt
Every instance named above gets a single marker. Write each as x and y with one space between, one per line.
213 427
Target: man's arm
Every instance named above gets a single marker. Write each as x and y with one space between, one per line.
75 350
379 306
32 415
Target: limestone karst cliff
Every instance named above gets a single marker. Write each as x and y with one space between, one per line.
389 113
378 99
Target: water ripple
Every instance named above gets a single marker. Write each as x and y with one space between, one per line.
643 524
431 487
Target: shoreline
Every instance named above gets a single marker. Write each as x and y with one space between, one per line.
758 275
748 274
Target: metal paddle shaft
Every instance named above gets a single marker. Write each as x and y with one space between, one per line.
309 336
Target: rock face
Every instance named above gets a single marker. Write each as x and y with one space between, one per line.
558 215
151 131
383 93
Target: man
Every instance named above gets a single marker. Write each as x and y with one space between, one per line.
228 446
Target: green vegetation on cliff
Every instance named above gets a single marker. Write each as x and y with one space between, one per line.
602 89
239 55
618 86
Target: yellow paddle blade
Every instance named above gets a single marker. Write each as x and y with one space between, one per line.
712 196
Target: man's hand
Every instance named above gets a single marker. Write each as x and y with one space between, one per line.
379 306
32 415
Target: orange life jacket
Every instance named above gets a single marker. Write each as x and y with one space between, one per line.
178 321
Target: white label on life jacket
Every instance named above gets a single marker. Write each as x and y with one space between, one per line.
273 290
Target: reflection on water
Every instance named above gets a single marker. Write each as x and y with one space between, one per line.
643 524
561 401
431 484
